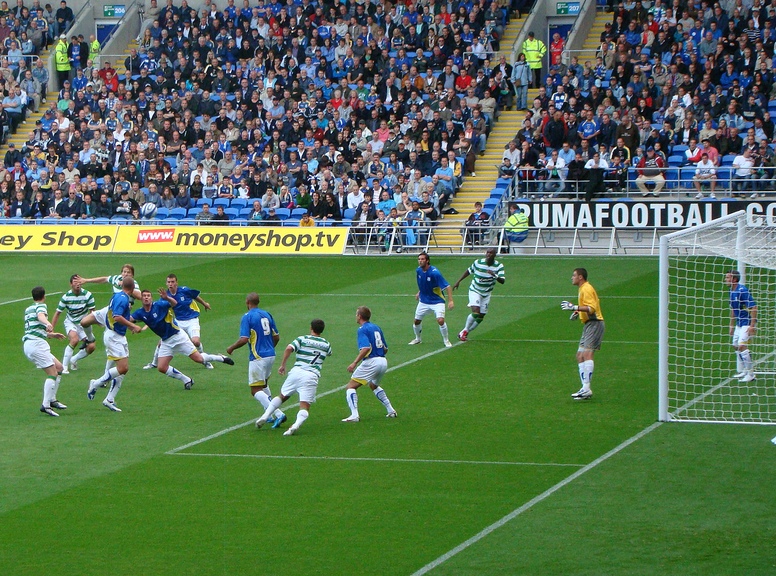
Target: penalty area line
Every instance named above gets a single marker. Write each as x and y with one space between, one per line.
531 503
388 460
322 395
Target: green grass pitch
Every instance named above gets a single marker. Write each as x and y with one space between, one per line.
483 429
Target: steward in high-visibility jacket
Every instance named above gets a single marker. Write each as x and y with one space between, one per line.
516 226
62 60
94 49
534 51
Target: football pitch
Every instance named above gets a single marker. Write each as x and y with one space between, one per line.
490 468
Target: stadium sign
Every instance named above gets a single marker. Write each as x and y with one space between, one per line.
567 9
630 214
172 239
114 10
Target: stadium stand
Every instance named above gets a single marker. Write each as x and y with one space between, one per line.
236 103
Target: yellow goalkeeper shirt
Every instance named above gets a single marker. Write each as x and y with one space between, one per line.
589 297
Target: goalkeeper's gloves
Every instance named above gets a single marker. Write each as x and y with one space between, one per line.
574 316
566 305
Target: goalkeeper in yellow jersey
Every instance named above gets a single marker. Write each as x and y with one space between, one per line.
589 312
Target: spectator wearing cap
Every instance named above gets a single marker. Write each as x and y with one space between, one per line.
650 169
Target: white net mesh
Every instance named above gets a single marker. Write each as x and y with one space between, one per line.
701 360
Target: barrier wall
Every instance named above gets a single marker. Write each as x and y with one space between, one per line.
172 239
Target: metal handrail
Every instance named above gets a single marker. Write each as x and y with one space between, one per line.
131 10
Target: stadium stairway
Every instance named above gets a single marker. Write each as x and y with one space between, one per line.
22 131
508 39
593 40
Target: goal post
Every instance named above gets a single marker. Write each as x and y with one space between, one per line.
697 362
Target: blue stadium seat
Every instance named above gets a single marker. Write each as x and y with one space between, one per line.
232 213
350 213
676 160
238 203
298 212
727 159
192 213
225 202
245 213
162 213
687 174
178 213
201 201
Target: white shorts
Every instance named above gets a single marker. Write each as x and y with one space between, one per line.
301 381
260 370
741 335
116 346
190 327
422 309
101 316
77 328
179 343
370 371
39 353
479 301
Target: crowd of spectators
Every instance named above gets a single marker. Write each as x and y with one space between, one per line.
365 107
674 89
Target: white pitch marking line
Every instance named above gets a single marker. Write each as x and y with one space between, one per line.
395 295
531 503
562 341
27 298
327 393
392 460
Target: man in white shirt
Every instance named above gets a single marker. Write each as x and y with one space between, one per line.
743 164
556 174
513 153
705 172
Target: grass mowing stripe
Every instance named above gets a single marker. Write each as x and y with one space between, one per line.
391 460
327 393
28 298
531 503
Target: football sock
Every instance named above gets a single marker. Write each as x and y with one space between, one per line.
301 416
177 374
417 328
110 374
89 334
352 397
48 391
588 373
67 357
211 357
55 389
383 397
200 348
262 398
739 362
81 354
155 361
469 323
746 360
582 375
115 386
443 330
272 405
476 321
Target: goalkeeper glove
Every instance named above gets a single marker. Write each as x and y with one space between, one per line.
574 316
566 305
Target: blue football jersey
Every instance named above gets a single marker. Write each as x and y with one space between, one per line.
430 285
160 319
186 308
372 337
258 327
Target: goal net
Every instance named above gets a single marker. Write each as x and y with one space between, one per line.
697 367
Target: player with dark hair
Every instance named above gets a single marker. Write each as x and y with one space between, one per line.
430 299
743 323
77 303
372 349
311 350
159 317
485 273
37 329
589 313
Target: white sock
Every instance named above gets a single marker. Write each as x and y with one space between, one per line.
352 397
475 323
89 334
115 386
739 362
470 323
81 354
67 357
200 348
383 397
262 398
746 360
301 416
155 361
211 357
443 330
57 382
110 374
48 391
588 373
272 405
583 375
177 374
417 328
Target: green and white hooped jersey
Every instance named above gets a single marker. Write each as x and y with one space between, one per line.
33 327
76 305
311 351
115 282
483 281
